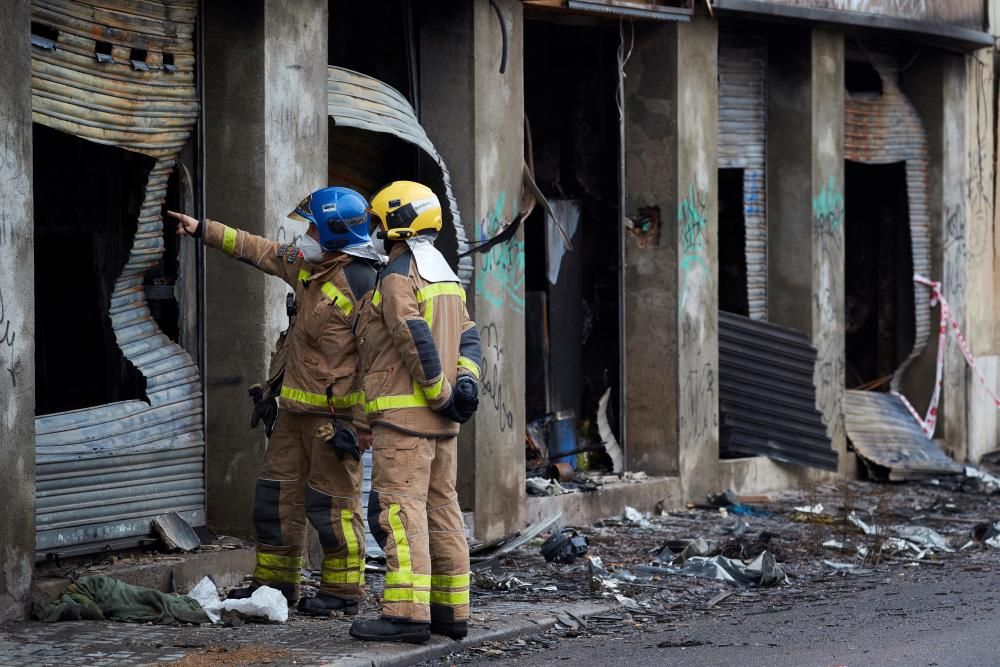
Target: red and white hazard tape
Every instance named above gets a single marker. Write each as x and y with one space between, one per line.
948 322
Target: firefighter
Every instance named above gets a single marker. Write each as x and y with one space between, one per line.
312 467
420 360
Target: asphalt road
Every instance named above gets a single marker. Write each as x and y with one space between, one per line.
921 616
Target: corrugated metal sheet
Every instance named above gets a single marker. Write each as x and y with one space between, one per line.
881 129
767 399
356 100
742 145
885 434
104 472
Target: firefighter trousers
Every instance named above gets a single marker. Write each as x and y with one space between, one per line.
414 515
302 477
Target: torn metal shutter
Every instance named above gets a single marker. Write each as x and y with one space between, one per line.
742 145
359 101
767 399
103 473
881 129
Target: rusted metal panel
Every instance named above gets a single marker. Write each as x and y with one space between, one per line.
880 129
887 437
885 128
104 472
767 398
362 102
742 145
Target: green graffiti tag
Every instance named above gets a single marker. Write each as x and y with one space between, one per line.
500 274
693 220
828 208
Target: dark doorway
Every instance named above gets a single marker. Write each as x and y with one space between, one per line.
878 282
733 297
87 199
572 305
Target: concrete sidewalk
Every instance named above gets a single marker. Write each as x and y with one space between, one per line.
302 641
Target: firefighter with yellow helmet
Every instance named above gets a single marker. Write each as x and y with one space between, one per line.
420 356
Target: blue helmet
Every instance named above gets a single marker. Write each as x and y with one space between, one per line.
341 216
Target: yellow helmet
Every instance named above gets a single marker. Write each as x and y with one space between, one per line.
404 209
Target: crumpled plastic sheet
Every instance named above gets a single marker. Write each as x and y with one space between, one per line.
637 518
761 571
491 582
545 487
991 483
924 537
266 602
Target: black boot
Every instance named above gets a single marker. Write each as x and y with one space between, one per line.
454 629
288 590
327 605
389 630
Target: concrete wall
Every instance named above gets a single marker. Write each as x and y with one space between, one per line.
806 233
672 300
17 314
266 148
474 116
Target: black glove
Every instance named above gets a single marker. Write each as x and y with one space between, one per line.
264 409
342 439
464 400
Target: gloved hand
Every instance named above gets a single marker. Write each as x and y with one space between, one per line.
264 409
464 400
341 438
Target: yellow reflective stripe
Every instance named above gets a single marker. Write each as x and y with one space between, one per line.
309 398
354 563
449 597
273 560
348 577
440 289
434 391
407 579
304 275
399 537
335 295
469 365
429 313
449 580
406 595
377 298
414 400
228 240
353 553
278 576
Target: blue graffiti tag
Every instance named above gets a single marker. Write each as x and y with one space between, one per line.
691 216
828 208
500 278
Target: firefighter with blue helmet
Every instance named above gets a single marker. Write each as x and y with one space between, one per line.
312 469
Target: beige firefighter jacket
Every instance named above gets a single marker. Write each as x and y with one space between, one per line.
414 339
318 353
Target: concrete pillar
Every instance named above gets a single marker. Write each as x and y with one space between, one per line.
473 114
17 314
672 298
266 148
806 233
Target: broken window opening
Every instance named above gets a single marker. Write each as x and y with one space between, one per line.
102 51
160 280
85 224
43 36
138 59
878 274
572 307
355 49
861 78
168 63
733 297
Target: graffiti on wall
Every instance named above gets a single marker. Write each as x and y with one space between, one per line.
500 274
8 333
692 217
492 379
828 303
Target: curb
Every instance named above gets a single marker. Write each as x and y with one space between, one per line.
399 655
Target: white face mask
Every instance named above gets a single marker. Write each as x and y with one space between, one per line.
311 249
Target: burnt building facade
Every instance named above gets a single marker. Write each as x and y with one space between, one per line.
689 232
